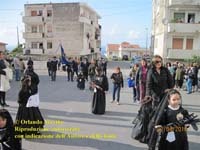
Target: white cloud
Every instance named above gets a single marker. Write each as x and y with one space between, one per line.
134 35
115 30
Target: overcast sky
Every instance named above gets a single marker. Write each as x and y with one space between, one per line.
122 20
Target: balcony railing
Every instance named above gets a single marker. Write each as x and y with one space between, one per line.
35 19
49 35
33 51
184 27
32 35
183 2
185 54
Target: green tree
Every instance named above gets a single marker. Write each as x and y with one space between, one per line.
194 59
17 51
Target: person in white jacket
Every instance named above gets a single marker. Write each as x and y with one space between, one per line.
5 76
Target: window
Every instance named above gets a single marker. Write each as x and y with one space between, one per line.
191 18
179 17
49 13
34 45
49 45
33 13
40 13
40 28
189 44
49 28
34 29
177 43
40 45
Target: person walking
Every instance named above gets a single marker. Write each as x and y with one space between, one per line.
49 67
5 76
141 77
70 71
179 78
190 78
136 91
22 67
118 83
54 64
100 85
159 80
17 69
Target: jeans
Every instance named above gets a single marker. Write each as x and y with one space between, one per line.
189 85
70 74
134 94
17 74
49 72
53 76
116 89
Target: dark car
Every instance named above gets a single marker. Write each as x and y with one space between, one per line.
125 57
115 58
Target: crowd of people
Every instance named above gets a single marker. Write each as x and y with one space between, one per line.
156 87
179 72
157 90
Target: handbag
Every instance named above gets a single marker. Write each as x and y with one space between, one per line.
131 83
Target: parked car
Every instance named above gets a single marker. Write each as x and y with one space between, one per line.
135 60
125 57
114 58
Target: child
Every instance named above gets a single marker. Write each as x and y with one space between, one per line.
81 81
7 134
118 83
173 137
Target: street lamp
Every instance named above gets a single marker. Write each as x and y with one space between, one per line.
146 39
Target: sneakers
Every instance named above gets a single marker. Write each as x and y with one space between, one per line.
118 103
112 101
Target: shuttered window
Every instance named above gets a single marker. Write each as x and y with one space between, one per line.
33 13
177 43
189 44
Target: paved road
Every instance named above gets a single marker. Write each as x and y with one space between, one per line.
61 100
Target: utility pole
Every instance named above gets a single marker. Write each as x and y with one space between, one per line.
146 39
17 37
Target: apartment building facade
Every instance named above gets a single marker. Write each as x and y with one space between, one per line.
74 25
176 28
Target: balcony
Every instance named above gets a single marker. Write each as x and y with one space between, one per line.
33 19
33 51
184 27
185 54
48 19
49 35
183 2
30 35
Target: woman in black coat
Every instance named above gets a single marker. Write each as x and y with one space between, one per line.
29 113
159 80
100 85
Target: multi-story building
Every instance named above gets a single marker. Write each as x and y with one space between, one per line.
125 48
176 28
2 46
74 25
